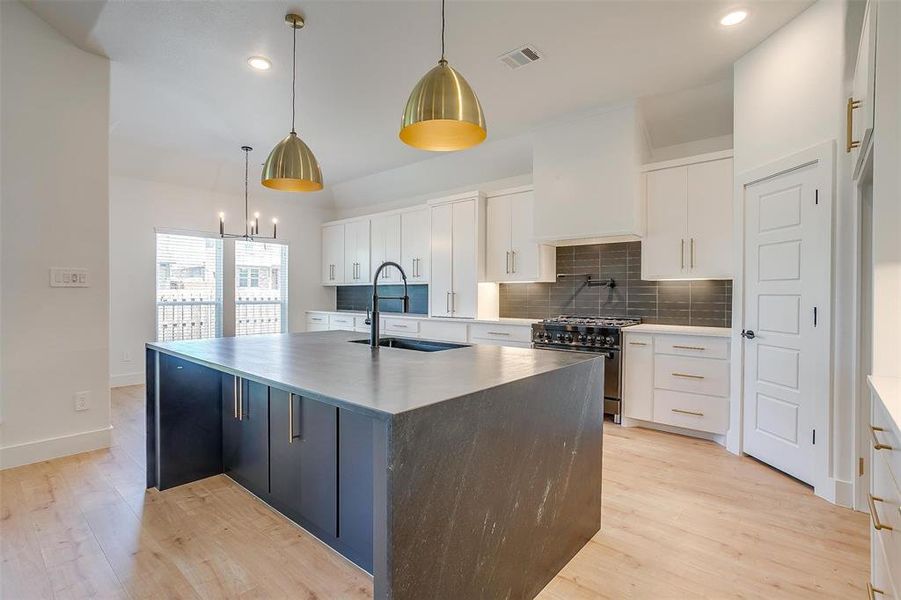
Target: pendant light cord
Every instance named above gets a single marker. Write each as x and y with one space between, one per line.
246 209
442 30
294 77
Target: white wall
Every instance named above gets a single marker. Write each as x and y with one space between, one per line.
55 122
138 207
789 96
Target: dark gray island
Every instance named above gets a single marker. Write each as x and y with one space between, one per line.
471 472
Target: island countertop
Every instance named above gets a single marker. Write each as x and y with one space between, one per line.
326 366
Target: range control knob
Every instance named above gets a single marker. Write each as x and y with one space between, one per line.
609 340
569 337
582 338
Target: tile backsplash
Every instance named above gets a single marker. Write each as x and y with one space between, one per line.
696 302
359 297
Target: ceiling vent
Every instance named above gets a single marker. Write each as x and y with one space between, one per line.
520 57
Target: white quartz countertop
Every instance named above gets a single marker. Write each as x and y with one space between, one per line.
889 391
679 330
394 315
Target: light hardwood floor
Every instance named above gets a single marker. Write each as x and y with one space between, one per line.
682 519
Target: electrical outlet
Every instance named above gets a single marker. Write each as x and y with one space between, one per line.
126 356
81 400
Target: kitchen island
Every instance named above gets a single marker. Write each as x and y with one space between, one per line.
458 472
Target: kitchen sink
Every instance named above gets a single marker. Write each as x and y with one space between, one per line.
417 345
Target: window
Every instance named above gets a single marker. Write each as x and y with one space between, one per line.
261 288
188 287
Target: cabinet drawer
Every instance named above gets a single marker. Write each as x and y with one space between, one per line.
693 375
500 333
889 439
692 345
887 508
317 319
691 411
443 331
345 322
402 326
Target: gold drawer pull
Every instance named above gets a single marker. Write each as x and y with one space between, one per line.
851 143
877 445
689 347
638 343
687 412
687 376
872 591
877 524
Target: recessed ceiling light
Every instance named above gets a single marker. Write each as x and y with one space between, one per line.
734 18
260 63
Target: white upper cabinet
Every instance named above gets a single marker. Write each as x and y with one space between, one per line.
860 113
689 219
414 246
458 231
586 174
356 252
386 241
332 254
512 254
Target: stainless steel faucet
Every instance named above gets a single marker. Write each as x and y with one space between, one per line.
374 318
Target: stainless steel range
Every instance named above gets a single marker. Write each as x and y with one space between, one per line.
601 335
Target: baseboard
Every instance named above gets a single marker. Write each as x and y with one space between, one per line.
64 445
126 379
838 492
701 435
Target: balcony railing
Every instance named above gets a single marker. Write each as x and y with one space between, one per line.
187 320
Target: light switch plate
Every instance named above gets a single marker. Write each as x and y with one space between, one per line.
68 277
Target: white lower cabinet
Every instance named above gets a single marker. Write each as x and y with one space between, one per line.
884 501
443 331
317 321
677 380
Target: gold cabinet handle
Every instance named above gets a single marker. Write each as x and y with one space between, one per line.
638 343
691 253
513 260
687 412
504 333
688 376
235 412
877 524
872 591
877 445
507 263
689 347
852 106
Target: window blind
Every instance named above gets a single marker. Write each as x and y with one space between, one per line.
261 288
188 287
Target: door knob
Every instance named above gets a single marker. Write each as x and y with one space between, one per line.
748 334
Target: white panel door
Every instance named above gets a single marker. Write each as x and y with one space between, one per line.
524 251
442 218
356 252
786 361
465 290
498 222
663 251
414 246
333 254
709 224
385 246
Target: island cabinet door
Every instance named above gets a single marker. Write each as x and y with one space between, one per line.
245 433
355 485
304 461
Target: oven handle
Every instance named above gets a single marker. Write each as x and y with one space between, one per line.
608 354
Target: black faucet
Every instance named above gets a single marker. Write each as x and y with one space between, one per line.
374 319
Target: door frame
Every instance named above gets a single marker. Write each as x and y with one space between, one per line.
822 154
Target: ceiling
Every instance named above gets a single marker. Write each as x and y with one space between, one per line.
183 99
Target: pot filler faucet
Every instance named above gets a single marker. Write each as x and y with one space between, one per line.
373 320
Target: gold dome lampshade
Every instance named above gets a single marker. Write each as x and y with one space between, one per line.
443 113
292 167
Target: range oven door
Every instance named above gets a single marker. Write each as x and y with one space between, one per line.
612 363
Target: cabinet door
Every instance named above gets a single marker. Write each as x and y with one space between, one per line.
304 466
464 293
385 245
333 254
364 274
355 477
709 243
442 260
663 249
638 377
414 246
245 433
524 257
356 252
863 84
498 247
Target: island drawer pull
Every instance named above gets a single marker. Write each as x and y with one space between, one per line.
872 591
504 333
688 376
877 524
682 411
291 435
236 398
689 347
638 343
877 445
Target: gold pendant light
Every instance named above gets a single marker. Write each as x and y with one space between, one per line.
291 166
443 113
